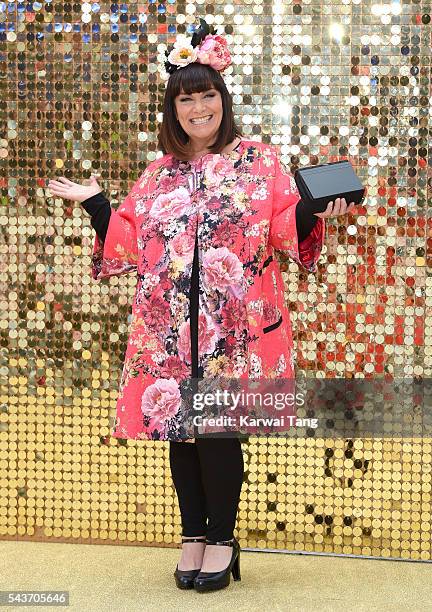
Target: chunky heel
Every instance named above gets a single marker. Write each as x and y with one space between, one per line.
236 568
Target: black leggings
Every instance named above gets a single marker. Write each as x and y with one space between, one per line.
208 477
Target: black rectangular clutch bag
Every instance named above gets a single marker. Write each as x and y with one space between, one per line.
318 185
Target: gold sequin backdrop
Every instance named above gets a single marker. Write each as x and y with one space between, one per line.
80 92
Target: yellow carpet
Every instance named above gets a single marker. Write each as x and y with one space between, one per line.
129 578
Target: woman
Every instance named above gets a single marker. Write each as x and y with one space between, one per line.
200 226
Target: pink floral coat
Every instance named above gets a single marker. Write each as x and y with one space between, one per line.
243 210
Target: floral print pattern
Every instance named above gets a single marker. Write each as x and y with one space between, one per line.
242 210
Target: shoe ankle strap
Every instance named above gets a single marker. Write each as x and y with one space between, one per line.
185 539
221 542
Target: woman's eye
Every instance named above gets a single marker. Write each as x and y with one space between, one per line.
212 95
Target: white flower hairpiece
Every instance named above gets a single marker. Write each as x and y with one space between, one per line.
205 47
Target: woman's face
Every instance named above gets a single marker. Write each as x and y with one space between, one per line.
200 105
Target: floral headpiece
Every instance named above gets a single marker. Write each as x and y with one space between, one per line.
205 47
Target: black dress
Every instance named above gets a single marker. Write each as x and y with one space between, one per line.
98 206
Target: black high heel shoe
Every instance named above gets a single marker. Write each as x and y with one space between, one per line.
185 578
212 581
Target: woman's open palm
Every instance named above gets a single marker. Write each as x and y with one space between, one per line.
68 190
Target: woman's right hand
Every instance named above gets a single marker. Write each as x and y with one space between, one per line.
68 190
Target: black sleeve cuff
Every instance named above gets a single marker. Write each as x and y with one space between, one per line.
94 203
98 206
305 221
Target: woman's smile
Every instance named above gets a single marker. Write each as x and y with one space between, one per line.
201 120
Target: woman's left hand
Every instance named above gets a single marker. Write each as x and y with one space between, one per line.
340 208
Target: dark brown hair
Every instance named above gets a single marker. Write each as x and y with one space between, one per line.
193 78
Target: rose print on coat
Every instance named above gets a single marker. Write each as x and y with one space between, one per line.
222 270
155 312
182 246
217 170
161 402
241 207
174 367
234 317
207 337
225 234
171 205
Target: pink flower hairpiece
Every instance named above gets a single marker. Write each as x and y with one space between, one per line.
205 47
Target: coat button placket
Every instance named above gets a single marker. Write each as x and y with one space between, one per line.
194 285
